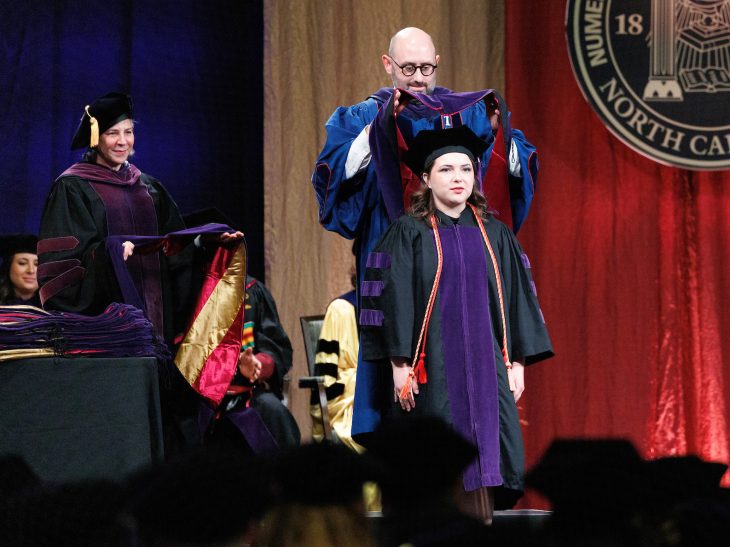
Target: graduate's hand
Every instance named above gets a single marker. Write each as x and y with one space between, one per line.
249 366
518 375
127 249
402 376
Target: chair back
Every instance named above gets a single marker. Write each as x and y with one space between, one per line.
311 328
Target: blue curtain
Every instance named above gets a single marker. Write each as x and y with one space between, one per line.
194 70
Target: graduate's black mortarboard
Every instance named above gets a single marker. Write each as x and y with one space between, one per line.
319 474
205 496
605 474
427 448
429 144
209 215
17 243
99 116
681 478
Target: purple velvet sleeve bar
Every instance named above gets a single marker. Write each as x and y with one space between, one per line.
53 244
60 282
57 267
371 288
525 261
371 318
378 261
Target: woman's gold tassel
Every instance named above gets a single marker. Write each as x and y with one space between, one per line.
94 140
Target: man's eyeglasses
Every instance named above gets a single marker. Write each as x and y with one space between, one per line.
409 69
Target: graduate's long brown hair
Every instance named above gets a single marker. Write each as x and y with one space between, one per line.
422 205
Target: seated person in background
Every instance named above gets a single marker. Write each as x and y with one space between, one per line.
265 359
336 360
18 279
258 383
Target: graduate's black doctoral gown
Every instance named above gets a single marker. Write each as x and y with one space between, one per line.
466 375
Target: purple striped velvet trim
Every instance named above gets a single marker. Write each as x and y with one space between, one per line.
371 288
470 364
57 284
525 261
121 331
533 287
53 244
371 318
57 267
378 260
131 210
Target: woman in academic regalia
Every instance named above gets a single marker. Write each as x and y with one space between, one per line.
105 195
18 272
449 306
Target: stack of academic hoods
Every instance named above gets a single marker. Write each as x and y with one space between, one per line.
121 331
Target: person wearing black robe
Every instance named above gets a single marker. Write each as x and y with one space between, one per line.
449 353
266 358
92 203
105 195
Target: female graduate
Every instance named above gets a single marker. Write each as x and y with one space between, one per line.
449 302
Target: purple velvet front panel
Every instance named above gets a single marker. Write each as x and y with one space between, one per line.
469 362
131 211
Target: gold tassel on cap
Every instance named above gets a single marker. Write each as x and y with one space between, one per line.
94 140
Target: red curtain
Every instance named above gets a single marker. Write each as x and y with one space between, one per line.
632 264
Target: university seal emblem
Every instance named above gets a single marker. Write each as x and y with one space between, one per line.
657 72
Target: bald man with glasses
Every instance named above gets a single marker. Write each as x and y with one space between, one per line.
411 61
361 187
345 180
